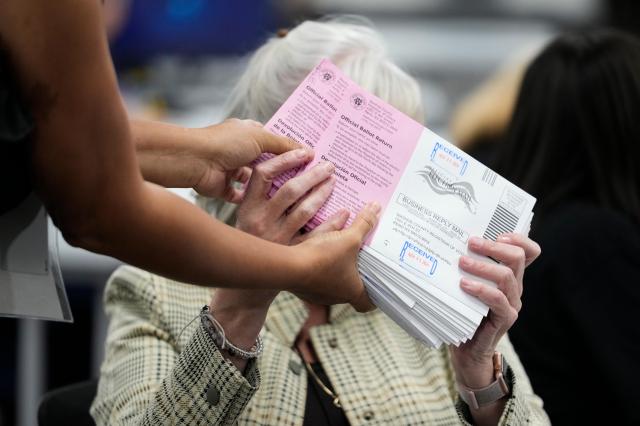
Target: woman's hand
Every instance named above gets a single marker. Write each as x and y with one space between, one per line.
280 218
277 219
514 252
208 159
234 145
332 259
328 253
472 360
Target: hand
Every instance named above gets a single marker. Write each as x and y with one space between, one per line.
330 252
228 149
331 259
208 159
473 360
278 219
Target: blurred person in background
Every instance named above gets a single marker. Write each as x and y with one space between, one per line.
480 121
64 133
574 143
320 365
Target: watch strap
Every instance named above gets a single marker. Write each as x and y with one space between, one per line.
476 398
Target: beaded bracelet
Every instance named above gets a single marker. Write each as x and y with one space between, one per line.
215 330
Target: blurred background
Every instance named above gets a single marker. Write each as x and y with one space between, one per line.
177 60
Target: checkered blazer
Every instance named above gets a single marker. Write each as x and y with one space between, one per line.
151 375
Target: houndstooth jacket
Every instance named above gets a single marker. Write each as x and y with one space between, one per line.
383 376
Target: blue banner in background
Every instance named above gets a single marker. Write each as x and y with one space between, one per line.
192 28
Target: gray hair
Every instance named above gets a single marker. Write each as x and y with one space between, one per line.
278 67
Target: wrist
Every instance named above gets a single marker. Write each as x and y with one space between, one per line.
248 304
474 373
241 324
487 403
207 143
200 149
170 155
298 264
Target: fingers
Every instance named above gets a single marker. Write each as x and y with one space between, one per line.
362 303
531 249
269 142
265 172
297 187
347 282
366 220
510 255
334 223
233 195
504 314
502 275
253 123
302 212
514 251
242 175
505 253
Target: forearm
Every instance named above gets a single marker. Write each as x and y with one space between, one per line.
477 376
241 315
85 167
160 232
169 155
520 407
112 211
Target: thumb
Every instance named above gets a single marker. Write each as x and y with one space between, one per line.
366 220
274 144
362 303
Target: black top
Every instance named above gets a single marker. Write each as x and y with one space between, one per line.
578 333
15 127
319 409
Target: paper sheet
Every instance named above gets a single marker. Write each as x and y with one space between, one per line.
31 283
434 197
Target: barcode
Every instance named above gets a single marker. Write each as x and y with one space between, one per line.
501 222
489 177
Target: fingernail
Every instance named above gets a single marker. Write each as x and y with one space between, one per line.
301 153
329 167
376 207
476 242
504 239
466 261
467 284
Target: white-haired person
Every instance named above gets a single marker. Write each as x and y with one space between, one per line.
319 365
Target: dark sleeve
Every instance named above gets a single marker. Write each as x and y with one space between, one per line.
15 127
578 334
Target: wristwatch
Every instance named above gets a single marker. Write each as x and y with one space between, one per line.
476 398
